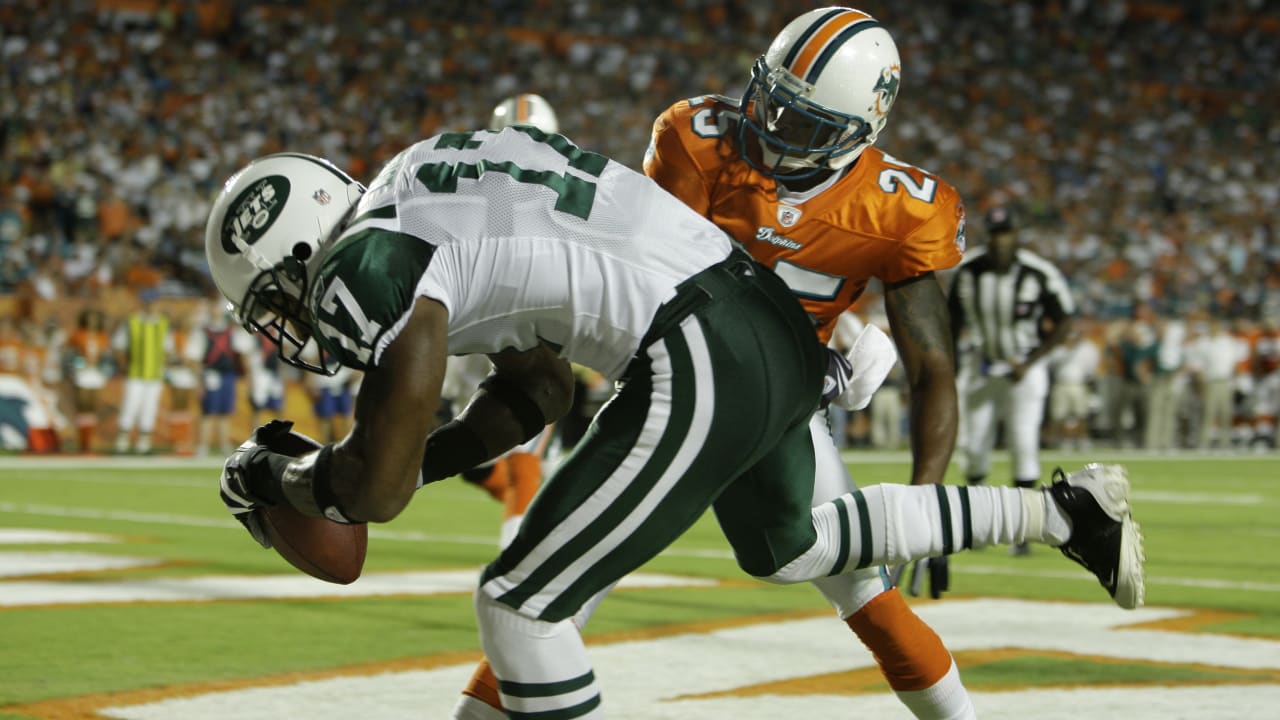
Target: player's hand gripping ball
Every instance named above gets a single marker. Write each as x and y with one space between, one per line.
333 552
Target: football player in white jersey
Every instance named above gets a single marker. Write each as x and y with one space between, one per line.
513 478
520 245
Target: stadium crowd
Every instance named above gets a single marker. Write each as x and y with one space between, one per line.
1139 141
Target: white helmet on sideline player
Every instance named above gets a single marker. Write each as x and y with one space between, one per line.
820 94
265 237
526 109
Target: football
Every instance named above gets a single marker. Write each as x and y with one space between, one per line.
319 547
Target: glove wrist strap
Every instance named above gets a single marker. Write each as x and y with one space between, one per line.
263 472
306 486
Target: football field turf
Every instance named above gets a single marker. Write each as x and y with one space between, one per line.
126 591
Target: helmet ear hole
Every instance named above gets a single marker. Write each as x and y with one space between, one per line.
302 251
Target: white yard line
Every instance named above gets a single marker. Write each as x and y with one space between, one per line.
22 593
32 536
18 564
1068 459
1196 498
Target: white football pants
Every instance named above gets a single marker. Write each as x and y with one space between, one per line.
1021 405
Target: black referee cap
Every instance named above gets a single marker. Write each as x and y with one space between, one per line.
999 219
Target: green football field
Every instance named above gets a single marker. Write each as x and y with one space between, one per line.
126 591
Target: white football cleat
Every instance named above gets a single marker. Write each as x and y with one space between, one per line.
1104 537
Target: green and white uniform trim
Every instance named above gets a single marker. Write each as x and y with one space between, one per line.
523 237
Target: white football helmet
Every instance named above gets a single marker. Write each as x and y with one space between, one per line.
820 94
264 239
526 109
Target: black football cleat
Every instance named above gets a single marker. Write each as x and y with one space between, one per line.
1104 537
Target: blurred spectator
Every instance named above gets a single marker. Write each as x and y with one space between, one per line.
218 348
47 352
1074 366
1168 386
331 400
266 387
182 375
1147 177
1267 395
1139 140
143 346
886 410
1137 364
1213 358
91 365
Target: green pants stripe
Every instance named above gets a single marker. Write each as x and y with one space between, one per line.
725 383
620 504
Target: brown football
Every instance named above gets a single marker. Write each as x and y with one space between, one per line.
319 547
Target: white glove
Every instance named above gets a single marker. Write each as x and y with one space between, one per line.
871 358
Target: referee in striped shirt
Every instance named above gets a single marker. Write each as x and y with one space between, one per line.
1011 307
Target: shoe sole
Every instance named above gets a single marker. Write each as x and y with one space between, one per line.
1131 582
1130 571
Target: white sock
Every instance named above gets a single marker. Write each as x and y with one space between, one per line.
1057 526
537 655
946 699
895 524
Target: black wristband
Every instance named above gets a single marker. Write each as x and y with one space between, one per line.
526 411
322 489
451 449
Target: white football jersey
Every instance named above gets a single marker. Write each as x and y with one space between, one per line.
524 237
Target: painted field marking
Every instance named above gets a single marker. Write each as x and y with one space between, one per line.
713 674
487 540
18 564
1082 574
42 593
38 536
1196 498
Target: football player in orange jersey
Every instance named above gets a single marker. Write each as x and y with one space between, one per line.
790 172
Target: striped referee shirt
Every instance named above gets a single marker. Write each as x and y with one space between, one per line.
1005 312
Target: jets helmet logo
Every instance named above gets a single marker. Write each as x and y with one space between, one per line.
253 212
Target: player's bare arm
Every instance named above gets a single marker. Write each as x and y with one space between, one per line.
527 390
540 376
921 328
374 471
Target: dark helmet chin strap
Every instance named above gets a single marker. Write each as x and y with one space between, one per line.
271 308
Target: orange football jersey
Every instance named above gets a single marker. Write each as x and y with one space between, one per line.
882 218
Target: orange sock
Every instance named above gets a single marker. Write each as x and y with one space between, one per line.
496 482
910 653
43 440
87 426
483 686
525 477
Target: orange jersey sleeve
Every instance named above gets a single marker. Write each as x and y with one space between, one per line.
882 218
